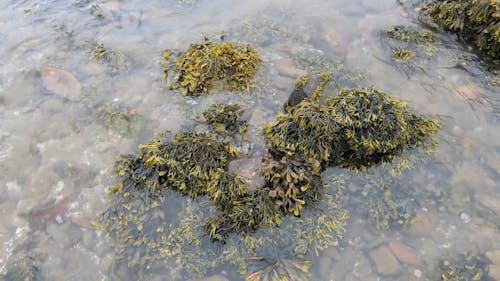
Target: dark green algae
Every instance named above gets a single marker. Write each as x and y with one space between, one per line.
356 129
476 21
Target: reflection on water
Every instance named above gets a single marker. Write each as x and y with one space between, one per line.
69 107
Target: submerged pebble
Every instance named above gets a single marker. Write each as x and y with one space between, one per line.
14 190
65 235
464 217
385 262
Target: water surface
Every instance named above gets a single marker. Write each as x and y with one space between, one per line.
57 151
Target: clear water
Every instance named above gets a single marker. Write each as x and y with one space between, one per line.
57 152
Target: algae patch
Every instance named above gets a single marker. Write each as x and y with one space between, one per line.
476 21
465 267
411 48
203 65
225 118
117 60
145 222
355 129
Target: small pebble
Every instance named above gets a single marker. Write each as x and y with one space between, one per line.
464 217
417 273
59 219
191 102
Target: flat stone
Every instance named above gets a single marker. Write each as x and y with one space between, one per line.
65 235
258 118
385 262
61 82
249 168
423 225
494 272
493 256
489 202
471 176
286 67
405 254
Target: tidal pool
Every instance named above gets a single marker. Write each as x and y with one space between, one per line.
81 82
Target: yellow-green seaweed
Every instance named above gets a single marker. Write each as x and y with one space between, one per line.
146 225
476 21
205 64
225 119
356 129
464 267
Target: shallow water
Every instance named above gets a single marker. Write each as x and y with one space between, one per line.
57 150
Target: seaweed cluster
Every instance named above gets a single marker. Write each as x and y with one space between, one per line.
291 182
466 267
205 64
356 129
386 201
185 164
121 119
115 59
24 265
143 218
476 21
157 180
225 119
410 47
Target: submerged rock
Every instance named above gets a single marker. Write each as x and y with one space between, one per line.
385 262
61 82
494 272
493 256
249 168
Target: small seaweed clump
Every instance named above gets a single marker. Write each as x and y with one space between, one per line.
225 119
121 119
356 129
293 181
186 163
476 21
204 64
24 265
466 267
386 201
411 47
115 59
